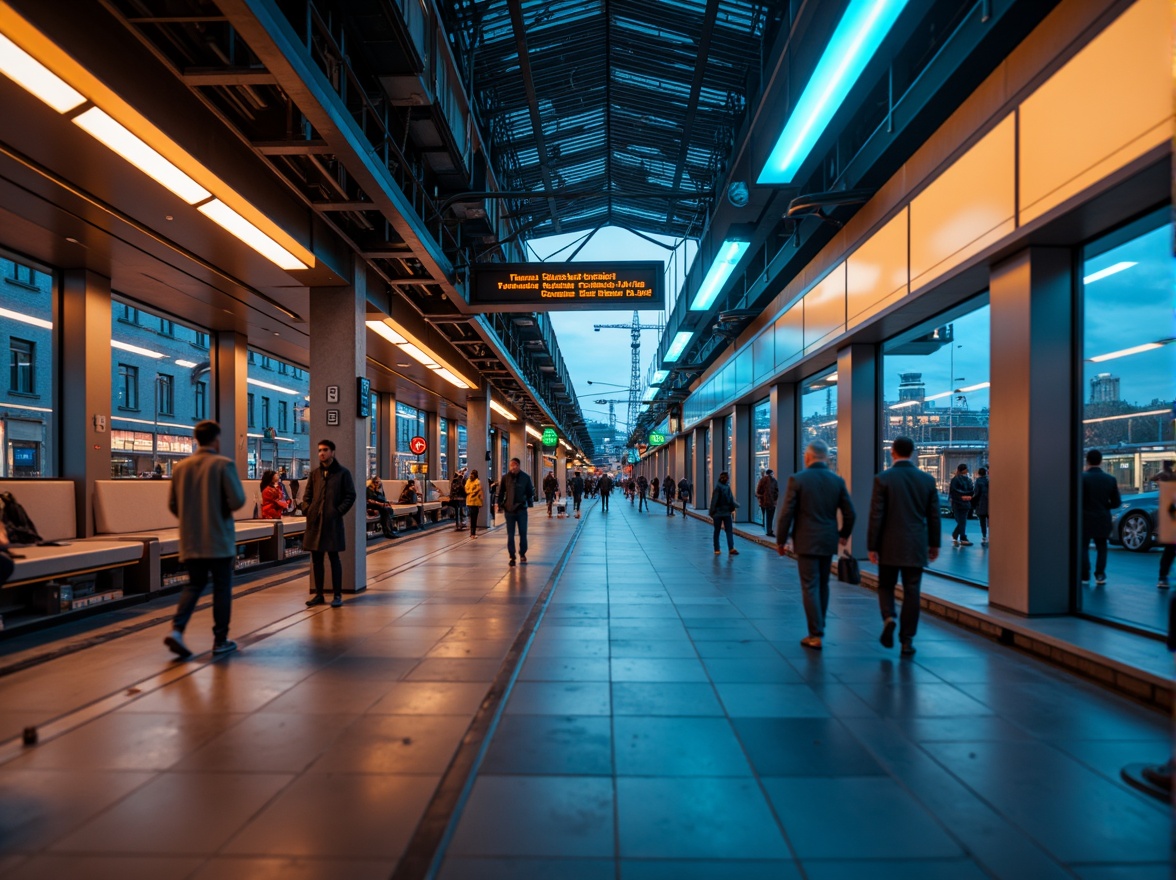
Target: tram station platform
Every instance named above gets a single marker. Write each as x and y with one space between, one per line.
627 704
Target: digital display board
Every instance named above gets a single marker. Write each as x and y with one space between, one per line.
548 287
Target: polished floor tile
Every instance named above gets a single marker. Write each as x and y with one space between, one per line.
664 698
677 747
559 698
551 745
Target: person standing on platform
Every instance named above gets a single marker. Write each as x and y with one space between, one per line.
550 490
577 492
605 486
980 503
767 493
684 494
204 492
493 499
457 498
722 508
516 493
903 538
669 489
1100 495
475 499
960 492
642 492
807 522
330 493
1167 475
655 489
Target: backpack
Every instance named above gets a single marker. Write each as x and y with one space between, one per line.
16 521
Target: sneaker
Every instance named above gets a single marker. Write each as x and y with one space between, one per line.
316 600
512 562
955 542
964 542
813 642
908 650
1163 584
983 542
225 647
176 643
718 552
887 639
1100 580
337 602
473 537
732 552
523 558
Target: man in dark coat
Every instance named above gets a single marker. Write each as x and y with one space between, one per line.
457 498
577 492
980 503
960 491
515 494
330 492
903 537
605 485
1100 495
550 490
808 522
767 493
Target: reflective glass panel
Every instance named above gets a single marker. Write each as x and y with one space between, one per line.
272 382
818 413
27 421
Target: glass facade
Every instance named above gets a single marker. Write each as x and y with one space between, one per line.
159 390
761 438
443 450
272 382
461 446
27 412
373 435
818 413
935 390
410 422
1128 392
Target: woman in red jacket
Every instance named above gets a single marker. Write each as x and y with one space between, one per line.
273 499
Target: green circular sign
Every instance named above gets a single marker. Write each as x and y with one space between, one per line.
656 438
550 437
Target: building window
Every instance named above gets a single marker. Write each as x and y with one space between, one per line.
200 409
128 387
249 408
166 401
166 327
265 413
201 339
818 413
21 360
283 416
127 314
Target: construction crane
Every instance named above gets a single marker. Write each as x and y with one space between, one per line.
634 329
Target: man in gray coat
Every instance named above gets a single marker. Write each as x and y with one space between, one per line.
807 522
903 537
330 493
205 490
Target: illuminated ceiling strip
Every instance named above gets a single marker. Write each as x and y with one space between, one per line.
1135 349
1107 272
857 37
659 376
149 422
35 77
418 353
940 395
382 329
533 432
978 387
503 411
650 393
1150 412
276 439
261 384
23 406
146 352
183 363
681 340
26 319
905 403
728 257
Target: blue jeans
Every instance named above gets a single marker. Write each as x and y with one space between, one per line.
642 501
517 519
961 518
199 570
724 522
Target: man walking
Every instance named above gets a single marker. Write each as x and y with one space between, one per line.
516 494
330 492
683 494
960 492
903 537
642 493
767 493
1100 495
669 490
577 492
807 522
205 490
1167 475
550 490
605 486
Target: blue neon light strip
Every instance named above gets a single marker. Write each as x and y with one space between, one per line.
659 376
720 270
681 340
857 37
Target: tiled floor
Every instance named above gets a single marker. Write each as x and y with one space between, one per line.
664 723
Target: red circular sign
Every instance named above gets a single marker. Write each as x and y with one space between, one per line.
418 445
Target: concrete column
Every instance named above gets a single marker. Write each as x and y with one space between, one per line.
698 478
433 453
230 369
338 354
517 444
477 443
561 466
782 414
742 478
1031 563
84 319
857 430
385 435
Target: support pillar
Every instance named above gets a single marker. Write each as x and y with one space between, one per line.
517 445
85 362
338 354
385 436
782 418
1031 565
857 431
433 455
698 478
742 476
477 444
561 466
230 369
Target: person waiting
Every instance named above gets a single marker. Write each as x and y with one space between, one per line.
273 499
410 495
379 505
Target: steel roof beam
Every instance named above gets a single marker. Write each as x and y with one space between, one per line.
708 26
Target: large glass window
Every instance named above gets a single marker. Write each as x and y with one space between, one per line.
761 438
166 394
818 412
27 444
410 422
128 388
373 434
200 401
935 391
728 444
272 447
704 491
443 450
1128 393
461 446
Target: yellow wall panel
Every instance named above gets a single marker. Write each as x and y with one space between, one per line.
1109 104
876 273
824 309
968 207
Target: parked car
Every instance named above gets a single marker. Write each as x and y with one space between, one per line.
1134 522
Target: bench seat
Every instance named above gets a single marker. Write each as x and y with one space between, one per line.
73 557
169 539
